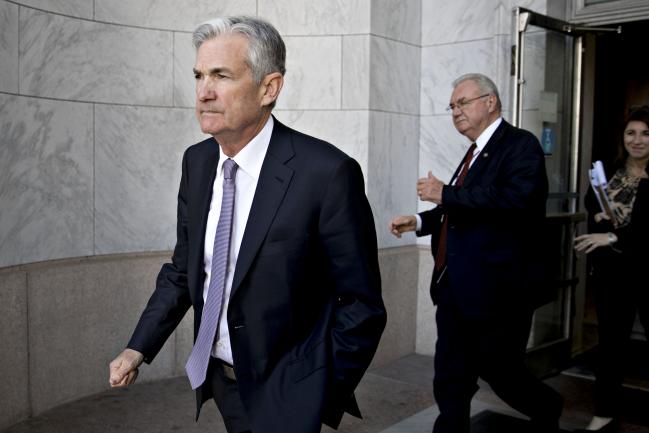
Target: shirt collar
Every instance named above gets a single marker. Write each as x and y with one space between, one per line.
251 157
484 138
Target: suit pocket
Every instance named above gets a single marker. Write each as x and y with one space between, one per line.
283 246
313 360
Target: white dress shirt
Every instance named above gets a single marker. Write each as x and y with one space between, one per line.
249 160
480 144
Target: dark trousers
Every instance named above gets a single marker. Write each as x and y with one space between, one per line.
493 349
617 300
228 401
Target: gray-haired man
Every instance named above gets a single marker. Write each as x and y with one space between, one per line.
276 252
488 278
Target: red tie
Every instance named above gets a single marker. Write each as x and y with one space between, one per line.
440 257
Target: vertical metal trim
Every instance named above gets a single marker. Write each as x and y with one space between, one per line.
576 118
574 168
518 49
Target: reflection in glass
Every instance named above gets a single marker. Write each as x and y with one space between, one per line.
547 107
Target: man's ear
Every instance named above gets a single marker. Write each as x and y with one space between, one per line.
492 103
271 85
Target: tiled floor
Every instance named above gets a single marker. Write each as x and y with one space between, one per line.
394 399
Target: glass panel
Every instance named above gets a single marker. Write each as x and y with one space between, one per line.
549 324
547 106
547 113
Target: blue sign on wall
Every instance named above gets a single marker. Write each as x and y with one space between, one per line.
547 140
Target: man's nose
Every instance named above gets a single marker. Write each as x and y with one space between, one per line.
204 92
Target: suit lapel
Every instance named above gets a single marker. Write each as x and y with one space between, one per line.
486 154
274 179
459 167
206 173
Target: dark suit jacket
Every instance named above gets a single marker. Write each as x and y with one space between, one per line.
494 255
639 238
305 312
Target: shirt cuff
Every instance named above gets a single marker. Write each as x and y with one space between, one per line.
418 218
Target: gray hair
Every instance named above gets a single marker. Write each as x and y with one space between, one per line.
484 83
266 49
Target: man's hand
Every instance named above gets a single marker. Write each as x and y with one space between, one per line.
430 189
123 369
401 224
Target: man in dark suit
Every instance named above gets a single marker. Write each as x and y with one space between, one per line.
276 252
488 271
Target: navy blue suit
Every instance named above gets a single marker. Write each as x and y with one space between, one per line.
306 312
493 280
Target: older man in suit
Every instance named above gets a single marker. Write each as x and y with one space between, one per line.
488 272
276 252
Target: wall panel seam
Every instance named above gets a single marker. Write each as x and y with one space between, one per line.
387 38
342 76
93 20
30 400
19 80
82 101
444 44
94 183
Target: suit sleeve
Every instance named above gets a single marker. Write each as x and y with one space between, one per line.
170 300
430 221
638 236
347 231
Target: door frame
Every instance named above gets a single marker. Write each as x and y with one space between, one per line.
550 357
609 12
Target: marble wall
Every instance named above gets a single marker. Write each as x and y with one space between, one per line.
91 134
63 321
96 101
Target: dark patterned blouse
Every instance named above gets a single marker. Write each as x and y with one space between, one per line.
621 191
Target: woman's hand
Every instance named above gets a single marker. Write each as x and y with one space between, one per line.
601 216
591 241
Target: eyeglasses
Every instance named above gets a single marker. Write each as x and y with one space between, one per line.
462 103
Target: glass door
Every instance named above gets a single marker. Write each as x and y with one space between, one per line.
546 70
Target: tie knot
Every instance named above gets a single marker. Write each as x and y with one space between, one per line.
229 168
469 153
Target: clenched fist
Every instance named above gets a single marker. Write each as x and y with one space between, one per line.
124 368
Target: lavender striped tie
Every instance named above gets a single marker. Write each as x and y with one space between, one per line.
196 366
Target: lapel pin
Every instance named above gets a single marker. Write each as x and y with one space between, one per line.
484 155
